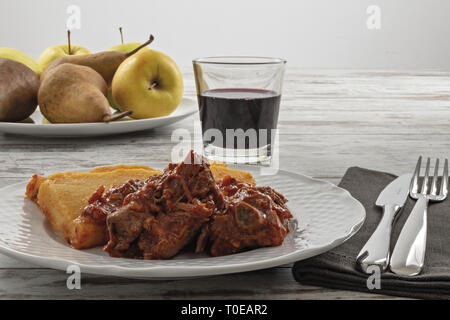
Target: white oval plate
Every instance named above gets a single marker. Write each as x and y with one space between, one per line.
186 108
327 216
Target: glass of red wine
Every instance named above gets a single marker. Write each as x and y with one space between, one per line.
239 101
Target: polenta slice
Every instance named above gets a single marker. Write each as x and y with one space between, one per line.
63 196
120 166
220 170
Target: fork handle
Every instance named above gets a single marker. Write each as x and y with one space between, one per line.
409 252
376 249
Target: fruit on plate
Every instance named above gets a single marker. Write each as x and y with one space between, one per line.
62 50
149 84
105 63
45 121
71 93
125 47
19 56
111 100
27 120
19 86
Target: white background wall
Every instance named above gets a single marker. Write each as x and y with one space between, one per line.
414 34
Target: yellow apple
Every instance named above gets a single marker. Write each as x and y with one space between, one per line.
58 51
19 56
148 83
125 47
45 121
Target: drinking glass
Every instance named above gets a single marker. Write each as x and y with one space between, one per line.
239 101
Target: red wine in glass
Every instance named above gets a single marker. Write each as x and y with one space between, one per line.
244 109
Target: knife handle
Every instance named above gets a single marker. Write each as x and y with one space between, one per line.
376 250
408 255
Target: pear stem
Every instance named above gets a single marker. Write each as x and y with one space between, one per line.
150 40
121 34
117 116
153 85
68 41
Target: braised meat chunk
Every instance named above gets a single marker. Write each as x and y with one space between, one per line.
165 213
251 217
101 204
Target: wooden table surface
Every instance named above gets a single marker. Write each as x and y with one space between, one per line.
329 120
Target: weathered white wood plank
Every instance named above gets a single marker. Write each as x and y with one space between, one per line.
276 283
329 120
313 155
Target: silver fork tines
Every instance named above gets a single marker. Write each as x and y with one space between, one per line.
409 251
425 178
414 187
433 189
444 183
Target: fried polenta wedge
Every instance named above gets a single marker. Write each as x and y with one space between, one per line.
120 166
63 196
220 170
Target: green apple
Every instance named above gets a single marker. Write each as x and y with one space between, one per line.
148 83
19 56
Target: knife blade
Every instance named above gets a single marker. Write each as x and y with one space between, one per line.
376 250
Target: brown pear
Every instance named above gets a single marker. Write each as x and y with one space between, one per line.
19 86
105 63
72 93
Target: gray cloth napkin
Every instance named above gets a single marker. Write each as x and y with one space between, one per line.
337 268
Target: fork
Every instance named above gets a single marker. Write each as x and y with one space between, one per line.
409 251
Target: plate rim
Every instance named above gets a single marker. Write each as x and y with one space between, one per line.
52 130
172 272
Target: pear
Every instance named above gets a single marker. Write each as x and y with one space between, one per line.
72 93
19 86
27 120
19 56
105 63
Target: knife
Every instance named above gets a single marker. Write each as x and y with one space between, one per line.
376 250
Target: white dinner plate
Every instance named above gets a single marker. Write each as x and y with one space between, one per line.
186 108
327 216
